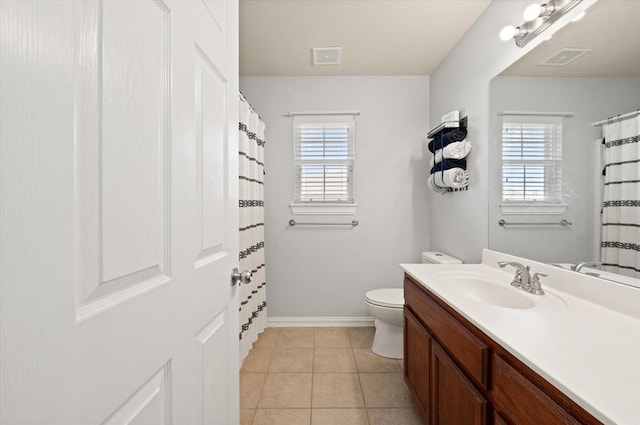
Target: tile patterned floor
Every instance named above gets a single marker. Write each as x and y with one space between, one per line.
322 376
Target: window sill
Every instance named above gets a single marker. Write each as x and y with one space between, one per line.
323 209
533 208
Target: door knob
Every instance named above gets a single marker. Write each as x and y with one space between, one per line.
237 277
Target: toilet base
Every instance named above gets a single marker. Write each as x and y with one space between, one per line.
387 341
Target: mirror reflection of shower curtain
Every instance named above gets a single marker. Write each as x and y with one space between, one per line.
253 304
620 243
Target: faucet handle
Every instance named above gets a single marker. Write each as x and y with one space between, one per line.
536 288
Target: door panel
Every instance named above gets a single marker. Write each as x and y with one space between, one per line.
211 132
119 212
149 404
133 88
122 149
213 340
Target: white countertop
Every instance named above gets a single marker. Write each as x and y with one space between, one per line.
583 336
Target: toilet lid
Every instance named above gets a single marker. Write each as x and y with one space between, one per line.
388 297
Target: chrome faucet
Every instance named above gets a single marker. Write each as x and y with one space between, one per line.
576 267
536 289
522 279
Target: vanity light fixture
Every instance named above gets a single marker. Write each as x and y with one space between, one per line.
538 17
509 32
579 16
535 11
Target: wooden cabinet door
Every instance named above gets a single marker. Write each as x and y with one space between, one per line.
522 402
454 400
417 344
499 420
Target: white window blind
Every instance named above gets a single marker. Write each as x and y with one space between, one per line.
532 159
323 159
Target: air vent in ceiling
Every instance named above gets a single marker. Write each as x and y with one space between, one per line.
327 55
564 56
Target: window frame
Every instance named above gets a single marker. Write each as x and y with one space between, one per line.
324 206
551 161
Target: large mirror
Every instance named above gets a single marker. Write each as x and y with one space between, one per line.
602 80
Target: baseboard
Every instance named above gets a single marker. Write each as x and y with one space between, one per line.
316 322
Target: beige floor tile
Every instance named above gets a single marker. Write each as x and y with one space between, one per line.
268 339
282 417
246 416
385 390
251 385
296 338
258 360
394 417
336 390
367 361
401 364
286 390
339 417
333 360
361 337
331 338
292 360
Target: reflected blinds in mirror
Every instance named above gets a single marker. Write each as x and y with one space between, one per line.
531 159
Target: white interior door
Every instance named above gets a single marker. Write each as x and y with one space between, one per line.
119 212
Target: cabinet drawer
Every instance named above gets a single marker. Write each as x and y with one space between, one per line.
522 402
470 352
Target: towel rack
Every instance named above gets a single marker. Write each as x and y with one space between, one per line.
293 223
461 123
563 223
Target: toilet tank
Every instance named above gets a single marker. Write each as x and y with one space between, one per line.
435 257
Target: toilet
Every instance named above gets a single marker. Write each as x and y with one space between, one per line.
386 306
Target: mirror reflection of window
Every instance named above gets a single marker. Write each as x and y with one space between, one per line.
532 159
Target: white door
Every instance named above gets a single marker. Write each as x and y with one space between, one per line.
119 212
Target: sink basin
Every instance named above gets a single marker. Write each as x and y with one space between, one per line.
483 289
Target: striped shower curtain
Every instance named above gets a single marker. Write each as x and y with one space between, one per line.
620 243
253 304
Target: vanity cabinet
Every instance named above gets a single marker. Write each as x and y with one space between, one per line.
460 376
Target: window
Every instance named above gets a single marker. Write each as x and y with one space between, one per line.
323 159
531 159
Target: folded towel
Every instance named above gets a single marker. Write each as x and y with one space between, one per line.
453 177
445 137
455 150
445 164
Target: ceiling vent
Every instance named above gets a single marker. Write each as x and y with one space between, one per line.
327 55
564 56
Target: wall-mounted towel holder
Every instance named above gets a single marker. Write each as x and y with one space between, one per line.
461 123
293 223
448 123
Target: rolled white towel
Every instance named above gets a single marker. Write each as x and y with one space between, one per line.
456 150
453 177
434 186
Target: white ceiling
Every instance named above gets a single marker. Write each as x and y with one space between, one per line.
379 37
611 28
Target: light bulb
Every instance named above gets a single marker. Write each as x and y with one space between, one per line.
532 12
508 32
579 16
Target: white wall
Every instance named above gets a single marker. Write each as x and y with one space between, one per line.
591 100
324 271
459 220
